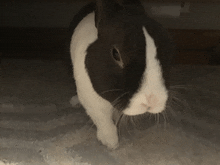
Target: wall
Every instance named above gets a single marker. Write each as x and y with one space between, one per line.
58 15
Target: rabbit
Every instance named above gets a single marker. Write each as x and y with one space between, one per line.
121 60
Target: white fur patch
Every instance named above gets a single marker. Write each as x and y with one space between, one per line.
152 84
99 109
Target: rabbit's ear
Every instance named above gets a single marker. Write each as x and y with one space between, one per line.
134 7
105 9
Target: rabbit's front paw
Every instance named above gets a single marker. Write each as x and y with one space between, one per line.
74 101
108 137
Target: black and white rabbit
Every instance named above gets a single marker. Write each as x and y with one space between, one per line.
121 60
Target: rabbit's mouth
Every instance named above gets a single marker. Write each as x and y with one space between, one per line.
151 103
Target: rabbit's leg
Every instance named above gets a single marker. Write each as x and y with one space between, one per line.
106 129
74 101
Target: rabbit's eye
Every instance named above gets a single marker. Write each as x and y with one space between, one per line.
116 55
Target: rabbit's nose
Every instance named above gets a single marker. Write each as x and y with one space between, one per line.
151 102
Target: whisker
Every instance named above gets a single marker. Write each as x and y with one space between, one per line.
143 116
117 121
121 122
112 90
166 116
165 123
158 118
137 120
155 117
184 103
174 92
173 113
91 125
132 120
118 98
180 102
150 115
192 87
126 118
118 124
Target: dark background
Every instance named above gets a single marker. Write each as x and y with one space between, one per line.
39 29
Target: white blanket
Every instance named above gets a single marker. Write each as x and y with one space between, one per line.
39 127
